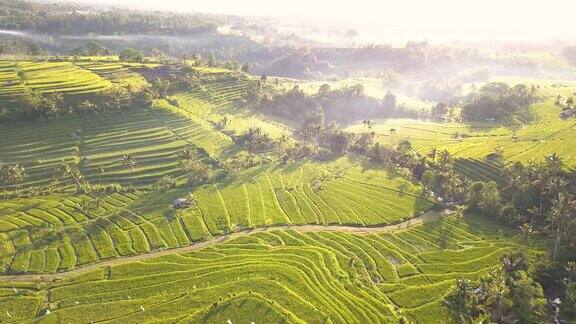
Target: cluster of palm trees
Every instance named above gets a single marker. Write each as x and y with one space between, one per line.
537 198
543 198
196 170
68 173
197 173
435 170
12 174
255 139
506 295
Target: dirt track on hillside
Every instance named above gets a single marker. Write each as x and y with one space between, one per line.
424 218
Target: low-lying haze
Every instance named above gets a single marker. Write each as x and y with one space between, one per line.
442 20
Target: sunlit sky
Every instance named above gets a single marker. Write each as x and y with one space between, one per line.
526 19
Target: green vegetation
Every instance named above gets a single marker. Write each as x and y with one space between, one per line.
525 142
44 77
86 229
119 159
284 274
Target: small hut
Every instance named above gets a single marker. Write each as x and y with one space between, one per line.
180 203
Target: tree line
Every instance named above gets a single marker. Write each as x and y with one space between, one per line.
69 19
32 105
538 199
493 101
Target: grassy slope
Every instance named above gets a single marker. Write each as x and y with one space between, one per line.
154 135
222 97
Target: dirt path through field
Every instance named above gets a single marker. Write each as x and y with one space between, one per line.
424 218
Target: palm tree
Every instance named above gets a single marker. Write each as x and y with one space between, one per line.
63 172
432 154
540 181
22 76
444 158
526 230
455 182
462 302
129 163
367 124
187 153
15 174
283 139
307 134
534 215
496 297
554 163
101 172
70 171
513 262
556 185
559 216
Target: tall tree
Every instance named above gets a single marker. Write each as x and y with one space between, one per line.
15 174
558 218
101 172
129 163
554 163
462 303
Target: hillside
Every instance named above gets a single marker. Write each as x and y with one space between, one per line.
194 203
524 142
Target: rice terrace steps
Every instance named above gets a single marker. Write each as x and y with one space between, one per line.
335 240
316 274
428 216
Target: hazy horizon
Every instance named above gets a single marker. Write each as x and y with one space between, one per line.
445 19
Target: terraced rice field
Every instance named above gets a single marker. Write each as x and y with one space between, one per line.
62 232
45 77
530 142
91 74
279 276
154 136
121 73
39 147
479 170
222 96
337 274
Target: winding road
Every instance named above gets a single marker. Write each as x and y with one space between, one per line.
427 217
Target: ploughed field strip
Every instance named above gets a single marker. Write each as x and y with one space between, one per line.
57 233
283 275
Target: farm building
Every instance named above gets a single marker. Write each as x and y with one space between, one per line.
566 113
161 72
180 203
